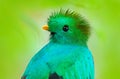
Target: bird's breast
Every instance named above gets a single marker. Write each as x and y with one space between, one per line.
61 56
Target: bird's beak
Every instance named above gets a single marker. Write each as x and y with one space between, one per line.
45 27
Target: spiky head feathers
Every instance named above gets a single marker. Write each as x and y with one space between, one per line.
70 24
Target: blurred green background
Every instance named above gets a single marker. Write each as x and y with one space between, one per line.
21 35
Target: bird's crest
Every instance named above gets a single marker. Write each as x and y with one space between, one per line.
82 23
67 12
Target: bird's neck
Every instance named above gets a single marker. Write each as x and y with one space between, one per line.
69 42
74 40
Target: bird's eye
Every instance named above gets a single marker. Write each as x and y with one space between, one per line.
65 28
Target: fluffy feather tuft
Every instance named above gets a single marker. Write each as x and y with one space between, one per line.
82 23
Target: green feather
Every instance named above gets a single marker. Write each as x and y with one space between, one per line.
75 21
66 56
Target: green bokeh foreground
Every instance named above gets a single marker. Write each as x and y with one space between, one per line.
21 35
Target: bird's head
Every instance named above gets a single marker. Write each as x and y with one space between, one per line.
67 27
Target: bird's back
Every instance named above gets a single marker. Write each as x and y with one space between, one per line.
62 61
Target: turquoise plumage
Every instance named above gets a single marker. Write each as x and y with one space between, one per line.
66 56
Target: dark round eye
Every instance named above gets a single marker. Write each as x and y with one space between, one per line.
65 28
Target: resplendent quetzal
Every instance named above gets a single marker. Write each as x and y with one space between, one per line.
66 56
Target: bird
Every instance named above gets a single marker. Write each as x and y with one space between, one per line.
66 56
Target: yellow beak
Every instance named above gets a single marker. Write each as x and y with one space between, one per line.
45 27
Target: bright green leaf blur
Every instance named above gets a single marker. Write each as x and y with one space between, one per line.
21 35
